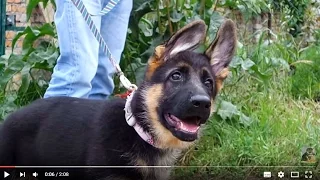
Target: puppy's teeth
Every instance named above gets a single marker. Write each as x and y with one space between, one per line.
182 127
180 124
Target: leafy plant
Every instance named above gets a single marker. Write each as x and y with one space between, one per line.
24 77
296 10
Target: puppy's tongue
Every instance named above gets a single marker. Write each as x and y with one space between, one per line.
188 126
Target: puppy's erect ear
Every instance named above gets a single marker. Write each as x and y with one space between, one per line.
221 51
223 47
187 38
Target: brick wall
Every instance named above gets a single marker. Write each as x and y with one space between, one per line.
18 8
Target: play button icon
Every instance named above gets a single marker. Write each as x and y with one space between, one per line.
5 174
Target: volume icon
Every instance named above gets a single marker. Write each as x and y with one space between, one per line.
35 174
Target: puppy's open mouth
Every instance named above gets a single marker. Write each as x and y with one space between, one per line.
188 125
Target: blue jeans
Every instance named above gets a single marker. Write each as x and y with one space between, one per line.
83 70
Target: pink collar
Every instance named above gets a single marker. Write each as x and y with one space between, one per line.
131 120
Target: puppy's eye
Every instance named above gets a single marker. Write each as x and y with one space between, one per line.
208 83
176 76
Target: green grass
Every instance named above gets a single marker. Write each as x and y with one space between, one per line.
306 79
281 127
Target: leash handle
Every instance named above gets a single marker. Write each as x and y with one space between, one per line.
87 17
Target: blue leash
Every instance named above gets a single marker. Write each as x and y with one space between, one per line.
111 4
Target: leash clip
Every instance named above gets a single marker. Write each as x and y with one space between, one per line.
126 83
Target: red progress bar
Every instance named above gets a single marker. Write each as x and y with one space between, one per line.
7 167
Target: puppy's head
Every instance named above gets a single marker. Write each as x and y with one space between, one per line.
180 85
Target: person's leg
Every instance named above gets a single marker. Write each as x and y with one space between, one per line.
78 60
114 26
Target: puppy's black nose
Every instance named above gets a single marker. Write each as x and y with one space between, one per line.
200 101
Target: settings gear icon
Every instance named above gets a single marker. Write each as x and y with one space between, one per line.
280 174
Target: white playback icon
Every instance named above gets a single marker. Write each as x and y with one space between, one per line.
5 174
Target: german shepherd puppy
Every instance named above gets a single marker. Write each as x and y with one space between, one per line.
174 100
